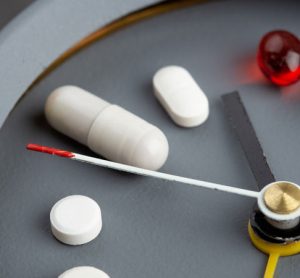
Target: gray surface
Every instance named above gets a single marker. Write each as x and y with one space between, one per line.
153 228
44 31
9 9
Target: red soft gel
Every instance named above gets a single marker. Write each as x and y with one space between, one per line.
279 57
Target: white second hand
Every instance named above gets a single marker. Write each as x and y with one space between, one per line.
159 175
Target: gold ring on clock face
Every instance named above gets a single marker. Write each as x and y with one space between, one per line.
153 228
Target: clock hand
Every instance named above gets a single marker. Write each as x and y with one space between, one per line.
245 132
262 198
280 238
143 172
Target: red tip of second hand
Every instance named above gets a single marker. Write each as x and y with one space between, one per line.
53 151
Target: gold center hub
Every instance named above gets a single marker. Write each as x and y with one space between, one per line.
282 197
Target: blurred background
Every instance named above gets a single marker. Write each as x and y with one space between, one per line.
10 8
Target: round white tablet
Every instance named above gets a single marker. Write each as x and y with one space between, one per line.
76 220
84 272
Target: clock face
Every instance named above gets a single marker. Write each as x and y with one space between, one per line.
153 228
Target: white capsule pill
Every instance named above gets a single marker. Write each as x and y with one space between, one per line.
180 95
84 272
76 220
107 129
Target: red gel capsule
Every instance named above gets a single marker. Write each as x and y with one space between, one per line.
279 57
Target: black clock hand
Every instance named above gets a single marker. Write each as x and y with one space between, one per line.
245 132
265 235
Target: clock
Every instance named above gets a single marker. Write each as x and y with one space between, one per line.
153 228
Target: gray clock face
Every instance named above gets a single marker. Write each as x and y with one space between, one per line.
154 228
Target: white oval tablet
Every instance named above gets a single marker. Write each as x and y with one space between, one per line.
84 272
76 220
180 95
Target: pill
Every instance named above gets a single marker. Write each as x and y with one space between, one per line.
76 220
84 272
278 57
181 97
107 129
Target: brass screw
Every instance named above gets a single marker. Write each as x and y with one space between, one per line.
282 197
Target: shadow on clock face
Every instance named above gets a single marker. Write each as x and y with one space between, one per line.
151 228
